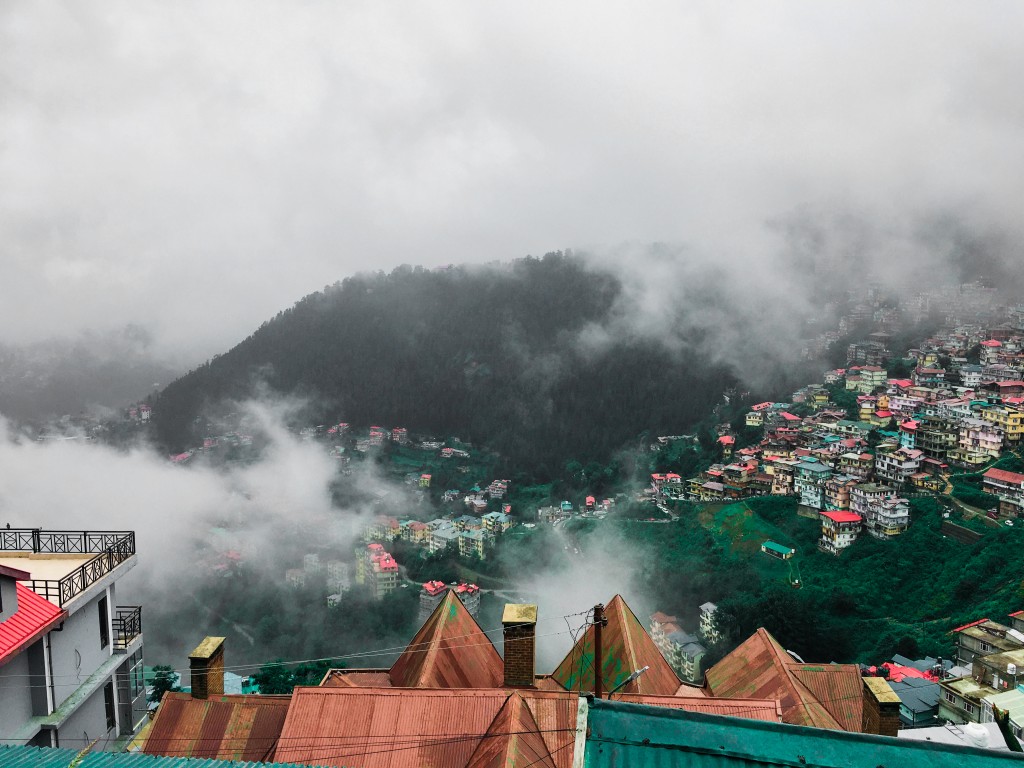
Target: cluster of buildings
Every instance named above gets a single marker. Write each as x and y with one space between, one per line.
433 592
469 534
854 473
377 569
684 652
336 572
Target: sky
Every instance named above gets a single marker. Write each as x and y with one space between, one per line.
192 168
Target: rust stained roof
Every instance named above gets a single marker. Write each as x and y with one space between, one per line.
449 651
403 727
513 739
234 727
356 678
752 709
626 648
839 688
761 669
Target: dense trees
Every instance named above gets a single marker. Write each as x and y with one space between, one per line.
496 356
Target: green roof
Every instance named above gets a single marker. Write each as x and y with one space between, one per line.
45 757
777 548
639 736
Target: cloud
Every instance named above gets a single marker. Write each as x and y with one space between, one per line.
195 168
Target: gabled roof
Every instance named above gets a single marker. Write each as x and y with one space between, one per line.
1002 475
626 648
236 727
34 618
821 696
513 740
395 728
449 651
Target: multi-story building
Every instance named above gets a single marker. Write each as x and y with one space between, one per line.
885 515
1009 487
1010 420
858 465
936 437
809 483
434 592
70 656
897 467
838 530
474 542
979 442
684 652
496 523
378 570
708 626
837 492
982 637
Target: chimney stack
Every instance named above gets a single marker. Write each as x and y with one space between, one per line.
881 707
520 624
206 665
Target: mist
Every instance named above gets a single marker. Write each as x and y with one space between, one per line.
195 169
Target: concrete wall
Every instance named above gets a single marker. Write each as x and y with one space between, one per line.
87 723
15 695
81 633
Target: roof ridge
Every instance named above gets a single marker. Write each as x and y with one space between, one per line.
512 737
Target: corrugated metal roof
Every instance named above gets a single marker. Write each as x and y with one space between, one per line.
761 669
626 647
838 687
449 651
755 709
35 615
236 727
622 734
403 727
356 678
513 740
43 757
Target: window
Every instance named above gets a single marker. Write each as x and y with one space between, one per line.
104 623
969 708
949 697
985 647
108 701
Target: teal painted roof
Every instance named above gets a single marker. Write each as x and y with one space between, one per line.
42 757
640 736
777 548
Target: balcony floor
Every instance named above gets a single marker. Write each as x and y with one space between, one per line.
45 566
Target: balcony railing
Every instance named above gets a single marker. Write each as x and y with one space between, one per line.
127 626
111 547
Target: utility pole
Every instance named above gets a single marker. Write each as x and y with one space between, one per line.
599 621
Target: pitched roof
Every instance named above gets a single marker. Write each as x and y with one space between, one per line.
34 617
513 739
820 696
754 709
449 651
1003 476
235 727
49 757
395 728
626 648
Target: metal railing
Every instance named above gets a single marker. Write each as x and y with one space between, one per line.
127 624
111 547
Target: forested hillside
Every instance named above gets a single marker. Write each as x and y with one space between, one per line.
492 355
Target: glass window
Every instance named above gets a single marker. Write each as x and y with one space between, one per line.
104 623
108 701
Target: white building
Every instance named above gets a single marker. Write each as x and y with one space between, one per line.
70 657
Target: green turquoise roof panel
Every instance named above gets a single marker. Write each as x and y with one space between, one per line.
43 757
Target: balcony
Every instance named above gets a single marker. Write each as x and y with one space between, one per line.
83 558
127 623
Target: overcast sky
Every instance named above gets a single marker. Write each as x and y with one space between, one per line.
194 167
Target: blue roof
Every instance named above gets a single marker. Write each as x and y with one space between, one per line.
635 735
45 757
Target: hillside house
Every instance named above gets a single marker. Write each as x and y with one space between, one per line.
979 442
936 437
837 492
1009 420
885 515
474 542
898 466
858 465
1009 487
809 483
683 651
496 523
928 377
838 530
982 637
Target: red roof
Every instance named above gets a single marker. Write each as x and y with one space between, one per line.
727 439
33 619
235 727
842 517
789 416
1003 476
752 709
449 651
389 728
626 648
991 343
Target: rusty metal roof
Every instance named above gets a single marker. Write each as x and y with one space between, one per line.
400 727
626 648
234 727
356 678
761 669
513 739
753 709
449 651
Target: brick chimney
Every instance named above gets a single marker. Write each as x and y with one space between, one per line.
881 707
206 665
520 624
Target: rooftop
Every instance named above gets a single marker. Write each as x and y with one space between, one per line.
34 617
